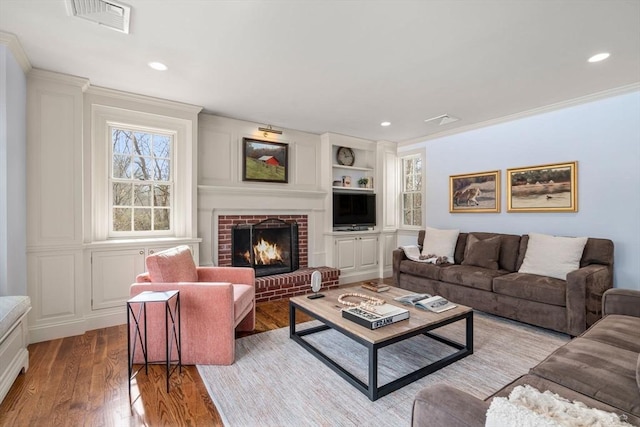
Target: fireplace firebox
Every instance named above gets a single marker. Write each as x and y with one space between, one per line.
269 246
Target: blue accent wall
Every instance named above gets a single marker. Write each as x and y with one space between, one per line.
13 176
603 136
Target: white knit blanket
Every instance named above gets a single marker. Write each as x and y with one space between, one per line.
413 253
528 407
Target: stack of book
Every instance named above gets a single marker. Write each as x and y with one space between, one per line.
375 287
374 317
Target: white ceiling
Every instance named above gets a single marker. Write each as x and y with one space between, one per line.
345 66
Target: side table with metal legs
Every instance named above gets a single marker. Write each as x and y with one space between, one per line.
139 332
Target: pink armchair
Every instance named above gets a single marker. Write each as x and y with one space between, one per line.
214 303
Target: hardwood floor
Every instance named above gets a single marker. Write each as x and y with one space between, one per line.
82 381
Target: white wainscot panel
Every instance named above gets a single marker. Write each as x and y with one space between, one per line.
305 165
389 246
56 154
215 157
390 202
56 285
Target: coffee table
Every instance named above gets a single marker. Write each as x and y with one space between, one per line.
328 311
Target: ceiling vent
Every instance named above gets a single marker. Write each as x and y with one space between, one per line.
443 119
108 13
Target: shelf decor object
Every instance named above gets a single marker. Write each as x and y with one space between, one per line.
545 188
265 161
345 156
475 193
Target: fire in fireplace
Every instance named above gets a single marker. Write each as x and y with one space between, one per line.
269 246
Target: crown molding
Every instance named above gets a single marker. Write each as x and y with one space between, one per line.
548 108
148 100
52 76
12 42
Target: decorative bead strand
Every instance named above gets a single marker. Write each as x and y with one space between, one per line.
368 300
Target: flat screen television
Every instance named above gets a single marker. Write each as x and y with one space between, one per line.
353 210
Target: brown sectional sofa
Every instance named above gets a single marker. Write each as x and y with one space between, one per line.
569 306
600 368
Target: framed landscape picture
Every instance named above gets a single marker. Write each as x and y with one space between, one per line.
475 193
265 161
545 188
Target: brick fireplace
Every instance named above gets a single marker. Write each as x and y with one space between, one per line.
278 286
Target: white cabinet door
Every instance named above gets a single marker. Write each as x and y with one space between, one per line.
368 251
345 254
355 255
112 273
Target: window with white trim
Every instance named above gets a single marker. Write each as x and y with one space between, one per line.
412 190
141 184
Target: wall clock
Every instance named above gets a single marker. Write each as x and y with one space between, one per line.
345 156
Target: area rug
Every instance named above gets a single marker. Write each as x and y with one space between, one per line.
275 382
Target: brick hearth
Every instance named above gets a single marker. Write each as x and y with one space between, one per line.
278 286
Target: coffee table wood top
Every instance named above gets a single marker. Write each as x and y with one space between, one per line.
330 310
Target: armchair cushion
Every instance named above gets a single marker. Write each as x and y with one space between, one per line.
173 265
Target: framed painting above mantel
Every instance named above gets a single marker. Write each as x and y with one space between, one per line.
265 161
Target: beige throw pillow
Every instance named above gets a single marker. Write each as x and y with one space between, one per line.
552 256
482 253
440 243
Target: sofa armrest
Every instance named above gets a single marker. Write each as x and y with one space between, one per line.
443 405
398 256
621 301
585 287
240 275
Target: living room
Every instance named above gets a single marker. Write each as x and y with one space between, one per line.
62 223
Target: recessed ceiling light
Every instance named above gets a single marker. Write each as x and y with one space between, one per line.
385 124
599 57
158 66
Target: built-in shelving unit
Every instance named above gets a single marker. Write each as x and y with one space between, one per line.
363 167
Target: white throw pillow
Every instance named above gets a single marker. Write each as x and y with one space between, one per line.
552 256
528 407
440 243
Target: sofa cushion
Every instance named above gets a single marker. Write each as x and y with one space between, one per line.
422 269
552 256
601 371
482 252
617 330
509 249
12 307
173 265
473 277
440 243
532 287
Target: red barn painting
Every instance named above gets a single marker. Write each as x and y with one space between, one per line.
270 160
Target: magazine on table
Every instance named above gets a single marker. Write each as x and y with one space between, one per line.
436 303
411 299
374 317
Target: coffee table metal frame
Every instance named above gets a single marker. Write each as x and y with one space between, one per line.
371 390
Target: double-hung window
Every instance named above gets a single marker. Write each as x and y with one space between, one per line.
141 184
412 191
